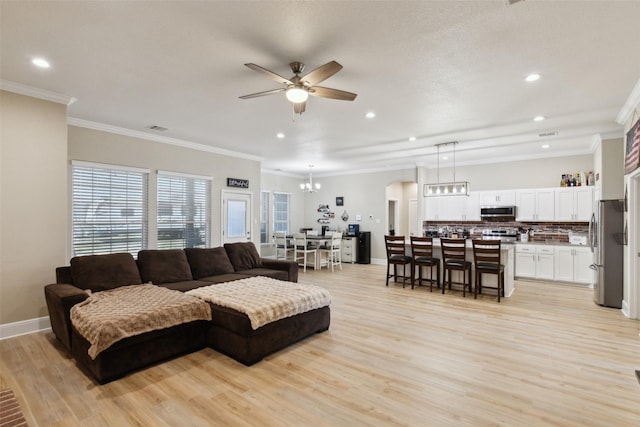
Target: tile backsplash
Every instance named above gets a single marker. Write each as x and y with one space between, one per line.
548 232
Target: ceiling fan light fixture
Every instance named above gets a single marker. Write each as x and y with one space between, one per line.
297 95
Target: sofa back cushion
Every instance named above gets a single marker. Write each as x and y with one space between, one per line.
163 266
102 272
243 255
208 262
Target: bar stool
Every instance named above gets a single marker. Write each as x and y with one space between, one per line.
486 254
396 255
422 253
454 256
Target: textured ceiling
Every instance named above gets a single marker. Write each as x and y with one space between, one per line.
439 71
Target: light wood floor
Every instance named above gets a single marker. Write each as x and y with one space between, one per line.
393 356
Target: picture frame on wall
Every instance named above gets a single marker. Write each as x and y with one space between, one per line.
340 201
632 148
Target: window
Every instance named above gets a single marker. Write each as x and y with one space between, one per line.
109 209
281 212
264 217
184 211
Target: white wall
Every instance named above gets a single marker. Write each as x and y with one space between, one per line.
536 173
364 195
33 212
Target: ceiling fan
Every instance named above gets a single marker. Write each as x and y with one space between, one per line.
297 89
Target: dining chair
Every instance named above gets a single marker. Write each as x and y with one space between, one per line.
486 255
422 254
283 246
397 256
301 250
454 256
333 251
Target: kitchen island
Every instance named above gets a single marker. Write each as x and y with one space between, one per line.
507 258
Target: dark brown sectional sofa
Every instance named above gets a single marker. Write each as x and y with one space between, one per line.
229 331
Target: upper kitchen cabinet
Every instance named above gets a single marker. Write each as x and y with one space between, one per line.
463 208
498 198
574 203
535 204
453 208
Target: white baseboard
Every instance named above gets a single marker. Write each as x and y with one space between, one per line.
24 327
625 309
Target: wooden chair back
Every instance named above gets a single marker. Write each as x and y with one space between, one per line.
486 252
396 249
453 250
421 247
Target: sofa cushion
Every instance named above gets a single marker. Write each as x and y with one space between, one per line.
243 255
102 272
208 262
267 272
221 278
164 266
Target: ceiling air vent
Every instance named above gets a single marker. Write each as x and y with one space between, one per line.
156 127
546 134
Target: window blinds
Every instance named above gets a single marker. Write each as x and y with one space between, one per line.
109 209
184 206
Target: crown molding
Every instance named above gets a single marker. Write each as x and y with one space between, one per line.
35 92
633 101
157 138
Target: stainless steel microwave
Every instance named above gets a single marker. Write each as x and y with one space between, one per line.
488 212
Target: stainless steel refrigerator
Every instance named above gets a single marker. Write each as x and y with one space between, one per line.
606 240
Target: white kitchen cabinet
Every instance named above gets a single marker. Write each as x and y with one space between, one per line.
461 208
535 204
574 203
498 198
453 208
432 209
535 261
472 207
349 249
572 264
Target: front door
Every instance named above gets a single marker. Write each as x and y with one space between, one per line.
236 217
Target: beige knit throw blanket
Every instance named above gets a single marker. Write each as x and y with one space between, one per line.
109 316
264 299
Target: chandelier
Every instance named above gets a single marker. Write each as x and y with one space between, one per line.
454 188
310 186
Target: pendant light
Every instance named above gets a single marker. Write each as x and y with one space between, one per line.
454 188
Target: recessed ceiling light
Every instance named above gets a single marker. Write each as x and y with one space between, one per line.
538 118
280 135
546 146
532 77
445 158
412 138
370 115
40 62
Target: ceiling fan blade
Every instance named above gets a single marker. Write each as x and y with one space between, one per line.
299 108
270 74
266 92
321 73
325 92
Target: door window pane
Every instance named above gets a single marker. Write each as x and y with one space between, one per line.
236 218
